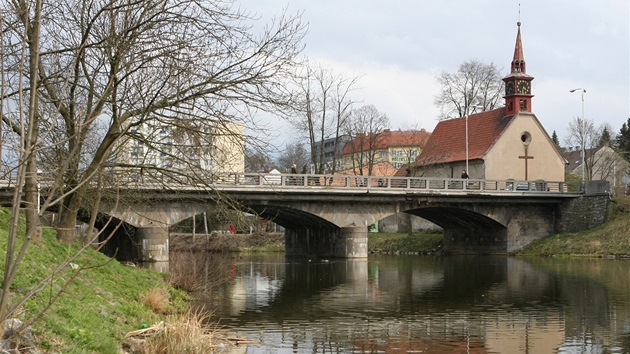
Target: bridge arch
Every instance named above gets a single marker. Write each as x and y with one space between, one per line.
308 234
291 218
466 231
456 218
129 241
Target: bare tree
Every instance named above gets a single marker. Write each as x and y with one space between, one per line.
295 153
474 84
82 81
342 109
366 124
192 67
413 139
322 108
605 164
27 125
256 161
582 133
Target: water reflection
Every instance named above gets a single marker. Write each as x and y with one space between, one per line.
426 304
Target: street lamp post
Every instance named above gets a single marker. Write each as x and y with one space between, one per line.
467 109
582 132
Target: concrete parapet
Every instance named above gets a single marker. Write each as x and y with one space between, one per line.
597 187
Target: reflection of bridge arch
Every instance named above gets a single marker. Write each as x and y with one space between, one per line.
467 230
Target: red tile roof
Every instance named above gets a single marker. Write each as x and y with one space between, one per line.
448 141
386 139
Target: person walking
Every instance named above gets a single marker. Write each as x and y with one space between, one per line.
464 175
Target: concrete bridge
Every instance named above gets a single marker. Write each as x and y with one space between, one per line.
328 216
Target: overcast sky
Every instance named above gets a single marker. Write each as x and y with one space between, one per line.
399 47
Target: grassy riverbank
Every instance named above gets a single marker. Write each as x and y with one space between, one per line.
97 304
609 239
402 243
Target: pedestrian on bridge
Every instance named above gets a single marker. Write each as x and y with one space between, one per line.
464 175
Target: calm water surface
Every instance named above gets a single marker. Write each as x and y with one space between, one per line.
423 304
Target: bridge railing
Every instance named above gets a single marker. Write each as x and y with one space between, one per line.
353 182
404 183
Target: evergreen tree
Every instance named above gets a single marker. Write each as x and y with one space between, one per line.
623 140
604 138
554 138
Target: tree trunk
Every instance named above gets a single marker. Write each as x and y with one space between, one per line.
68 217
33 225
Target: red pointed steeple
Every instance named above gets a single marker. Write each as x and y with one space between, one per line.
518 63
518 96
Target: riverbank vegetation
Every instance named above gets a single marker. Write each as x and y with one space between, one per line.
95 304
608 240
403 243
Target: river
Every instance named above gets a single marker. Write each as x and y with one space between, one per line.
422 304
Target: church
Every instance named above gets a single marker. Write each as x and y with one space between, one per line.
504 143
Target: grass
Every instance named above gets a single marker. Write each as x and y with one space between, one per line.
611 238
402 243
182 334
98 307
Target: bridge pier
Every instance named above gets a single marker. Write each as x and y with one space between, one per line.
152 244
345 242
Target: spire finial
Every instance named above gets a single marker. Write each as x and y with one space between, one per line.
519 14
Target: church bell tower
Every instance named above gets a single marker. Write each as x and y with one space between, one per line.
518 85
